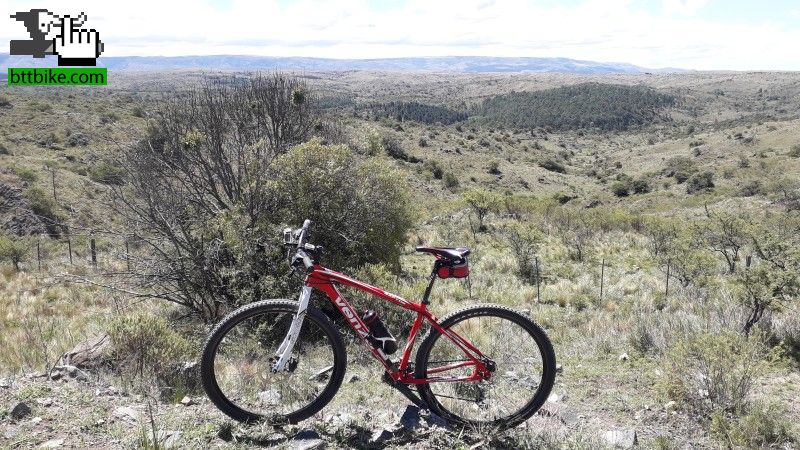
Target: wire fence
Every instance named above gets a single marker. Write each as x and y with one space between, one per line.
45 253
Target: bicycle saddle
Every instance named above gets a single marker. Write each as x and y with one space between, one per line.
448 253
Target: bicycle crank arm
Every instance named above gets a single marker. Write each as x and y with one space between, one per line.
406 391
284 353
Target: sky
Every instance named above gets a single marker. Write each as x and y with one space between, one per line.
687 34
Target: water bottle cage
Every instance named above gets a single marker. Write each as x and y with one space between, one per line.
387 344
379 337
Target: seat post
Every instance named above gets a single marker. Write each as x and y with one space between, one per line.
425 300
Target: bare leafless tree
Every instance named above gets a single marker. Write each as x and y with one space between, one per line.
200 175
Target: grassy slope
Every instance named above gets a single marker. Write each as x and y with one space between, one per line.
601 392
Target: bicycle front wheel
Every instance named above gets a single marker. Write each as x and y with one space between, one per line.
236 367
525 368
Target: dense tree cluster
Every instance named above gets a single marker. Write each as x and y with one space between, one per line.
418 112
586 105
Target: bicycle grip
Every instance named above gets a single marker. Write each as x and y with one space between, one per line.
307 261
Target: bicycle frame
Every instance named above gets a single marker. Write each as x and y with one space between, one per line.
325 280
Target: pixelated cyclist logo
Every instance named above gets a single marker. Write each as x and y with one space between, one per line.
65 37
52 34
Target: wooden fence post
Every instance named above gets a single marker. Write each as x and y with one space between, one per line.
538 292
93 249
53 174
666 292
602 277
38 256
127 255
69 248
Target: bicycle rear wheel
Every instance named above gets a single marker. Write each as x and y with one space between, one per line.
520 384
236 370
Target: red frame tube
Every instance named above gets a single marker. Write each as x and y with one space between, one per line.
323 279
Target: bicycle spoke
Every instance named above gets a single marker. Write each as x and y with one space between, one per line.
243 368
516 378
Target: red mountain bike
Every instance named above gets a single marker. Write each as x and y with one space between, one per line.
282 361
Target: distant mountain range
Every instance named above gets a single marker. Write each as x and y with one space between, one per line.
461 64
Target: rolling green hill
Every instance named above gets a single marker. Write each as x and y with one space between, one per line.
641 220
585 105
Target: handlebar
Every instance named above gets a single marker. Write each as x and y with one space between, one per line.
301 245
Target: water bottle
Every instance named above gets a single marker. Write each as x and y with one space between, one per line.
379 337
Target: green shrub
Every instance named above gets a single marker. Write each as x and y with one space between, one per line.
641 338
494 168
640 186
794 152
621 188
689 262
41 107
50 140
26 174
319 182
109 118
5 102
41 204
524 241
680 168
700 182
744 162
552 165
4 150
481 202
766 426
107 173
713 372
774 279
435 169
751 188
13 249
395 150
374 143
787 332
144 345
450 180
77 139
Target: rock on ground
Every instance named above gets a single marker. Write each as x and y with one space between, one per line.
307 440
166 438
20 411
621 438
413 417
52 443
126 414
89 354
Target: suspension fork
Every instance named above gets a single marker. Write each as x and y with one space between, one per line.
284 351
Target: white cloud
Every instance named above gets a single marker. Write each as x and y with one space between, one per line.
600 30
683 7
